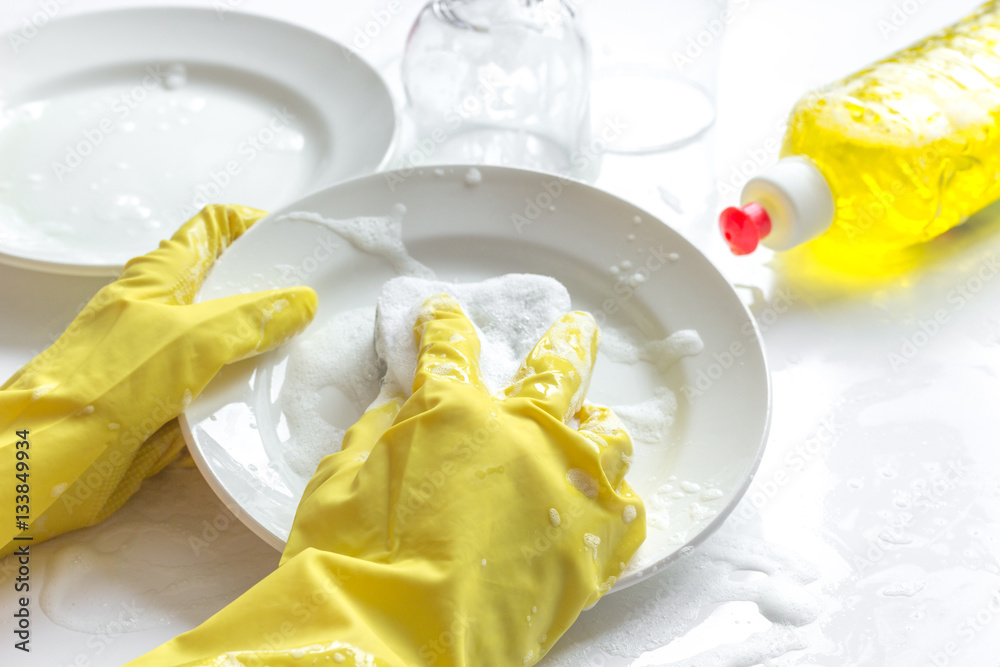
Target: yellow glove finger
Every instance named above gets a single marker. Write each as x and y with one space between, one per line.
249 324
603 428
174 271
448 344
557 372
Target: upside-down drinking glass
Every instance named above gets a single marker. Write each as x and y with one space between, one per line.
498 82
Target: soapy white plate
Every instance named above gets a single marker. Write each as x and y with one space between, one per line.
117 126
512 221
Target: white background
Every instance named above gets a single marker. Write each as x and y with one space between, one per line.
870 534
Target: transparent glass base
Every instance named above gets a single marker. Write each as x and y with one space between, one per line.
516 148
657 110
495 146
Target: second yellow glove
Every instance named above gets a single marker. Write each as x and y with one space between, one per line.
91 417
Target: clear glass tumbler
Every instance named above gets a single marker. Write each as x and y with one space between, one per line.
498 82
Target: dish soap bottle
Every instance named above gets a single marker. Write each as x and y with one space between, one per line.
891 156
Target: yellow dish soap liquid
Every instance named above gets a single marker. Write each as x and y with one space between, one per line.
888 157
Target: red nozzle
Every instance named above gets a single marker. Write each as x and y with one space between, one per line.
743 227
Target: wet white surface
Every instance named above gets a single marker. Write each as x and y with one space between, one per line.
870 535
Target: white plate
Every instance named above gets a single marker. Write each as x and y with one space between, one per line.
117 126
236 429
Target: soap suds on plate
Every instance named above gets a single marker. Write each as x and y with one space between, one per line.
377 235
510 314
332 376
629 346
649 422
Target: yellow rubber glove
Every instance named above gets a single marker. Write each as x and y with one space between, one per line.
453 529
99 404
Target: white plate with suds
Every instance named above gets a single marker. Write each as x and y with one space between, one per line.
681 360
117 126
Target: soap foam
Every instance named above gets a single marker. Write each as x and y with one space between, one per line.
377 235
339 360
628 346
649 422
648 618
509 313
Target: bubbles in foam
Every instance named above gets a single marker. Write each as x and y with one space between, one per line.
904 588
510 313
629 346
645 621
336 362
649 422
582 482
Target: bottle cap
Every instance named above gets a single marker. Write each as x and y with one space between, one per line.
744 226
786 205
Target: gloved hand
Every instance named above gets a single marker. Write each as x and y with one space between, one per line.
99 404
452 529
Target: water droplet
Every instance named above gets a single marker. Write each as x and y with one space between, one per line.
473 177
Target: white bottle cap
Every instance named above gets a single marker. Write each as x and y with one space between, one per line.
788 204
797 199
